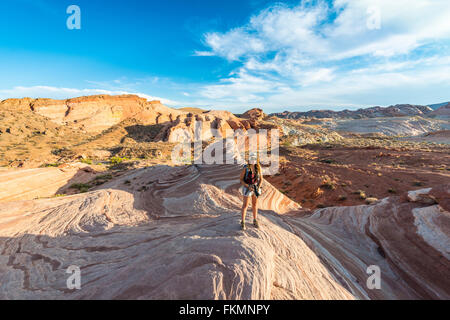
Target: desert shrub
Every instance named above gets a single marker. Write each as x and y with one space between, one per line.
48 165
342 198
361 194
58 151
328 161
392 190
107 176
86 161
102 179
329 184
81 187
117 160
63 152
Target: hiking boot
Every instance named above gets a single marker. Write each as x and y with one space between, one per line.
256 223
242 225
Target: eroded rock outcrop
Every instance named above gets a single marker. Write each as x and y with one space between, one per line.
28 184
173 233
205 126
96 113
254 114
408 241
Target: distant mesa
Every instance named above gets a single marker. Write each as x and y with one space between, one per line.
442 111
438 105
399 110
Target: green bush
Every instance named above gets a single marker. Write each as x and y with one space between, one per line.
82 187
330 185
86 161
101 179
107 176
48 165
117 160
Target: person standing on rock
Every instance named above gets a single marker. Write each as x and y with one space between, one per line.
251 179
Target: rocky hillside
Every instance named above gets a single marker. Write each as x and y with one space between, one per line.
400 110
35 131
393 126
107 198
173 233
94 113
295 133
438 105
443 111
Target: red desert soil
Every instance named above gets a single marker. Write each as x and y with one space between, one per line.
319 176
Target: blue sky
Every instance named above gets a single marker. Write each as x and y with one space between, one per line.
287 55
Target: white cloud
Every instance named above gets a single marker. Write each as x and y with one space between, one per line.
65 93
318 75
368 86
204 53
234 44
297 55
241 87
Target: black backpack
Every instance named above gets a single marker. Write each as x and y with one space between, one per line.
247 170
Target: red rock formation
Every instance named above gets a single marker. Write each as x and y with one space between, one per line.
97 113
173 233
254 114
29 184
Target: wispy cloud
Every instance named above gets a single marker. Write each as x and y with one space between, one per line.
204 53
327 53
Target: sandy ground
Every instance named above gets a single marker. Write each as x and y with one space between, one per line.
320 176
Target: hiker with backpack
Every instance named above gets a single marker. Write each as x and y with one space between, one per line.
251 179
